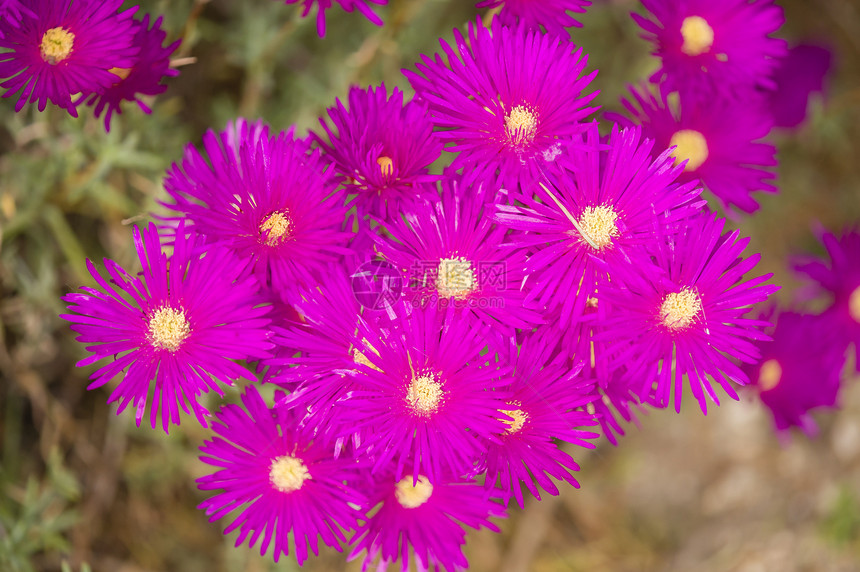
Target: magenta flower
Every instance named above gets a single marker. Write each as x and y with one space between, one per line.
546 395
382 149
175 331
606 210
151 65
11 12
551 15
424 517
425 397
800 370
347 5
800 74
839 278
504 100
719 139
711 47
684 317
267 198
454 256
61 48
285 484
317 355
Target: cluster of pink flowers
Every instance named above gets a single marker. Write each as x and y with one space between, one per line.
434 335
71 52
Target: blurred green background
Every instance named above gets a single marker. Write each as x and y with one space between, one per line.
80 486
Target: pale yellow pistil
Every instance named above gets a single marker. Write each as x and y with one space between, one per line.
518 418
598 226
854 304
690 145
288 474
769 375
275 228
455 278
679 309
386 165
412 494
168 328
57 44
424 394
698 36
520 125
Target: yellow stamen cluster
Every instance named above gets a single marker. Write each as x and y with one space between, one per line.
854 304
424 394
56 45
386 165
598 226
455 278
288 474
412 494
517 415
698 36
275 228
679 309
168 328
690 145
520 125
769 375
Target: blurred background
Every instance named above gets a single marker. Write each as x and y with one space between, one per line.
82 487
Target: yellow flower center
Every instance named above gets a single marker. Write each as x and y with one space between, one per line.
413 494
275 228
122 73
698 36
455 278
598 223
679 309
854 304
518 418
386 165
520 125
57 44
424 394
168 328
690 145
288 474
769 375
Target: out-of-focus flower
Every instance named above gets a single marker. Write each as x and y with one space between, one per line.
838 277
720 140
11 12
710 47
151 65
799 75
800 370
